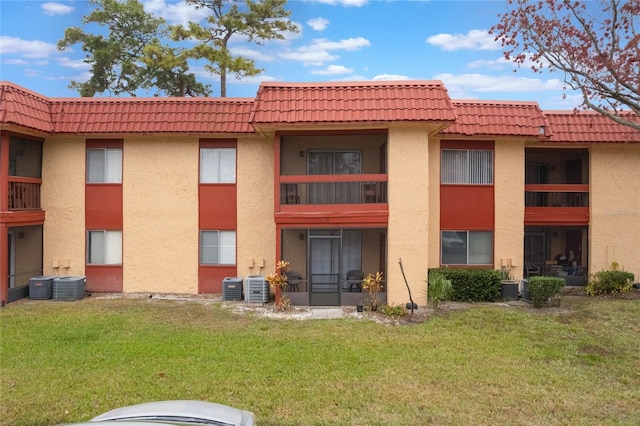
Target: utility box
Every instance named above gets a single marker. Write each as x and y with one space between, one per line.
69 288
232 288
40 287
256 289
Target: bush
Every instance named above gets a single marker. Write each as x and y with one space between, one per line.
472 285
394 311
544 289
608 282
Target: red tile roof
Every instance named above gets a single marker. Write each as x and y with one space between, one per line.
352 102
24 108
280 104
152 115
21 107
498 118
590 126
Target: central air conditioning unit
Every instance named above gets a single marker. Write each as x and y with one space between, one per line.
256 289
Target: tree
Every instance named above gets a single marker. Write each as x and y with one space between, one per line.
256 21
131 56
599 53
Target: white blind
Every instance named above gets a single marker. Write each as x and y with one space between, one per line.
105 248
480 248
217 165
104 165
218 247
459 166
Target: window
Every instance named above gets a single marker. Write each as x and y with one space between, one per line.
467 247
461 166
104 247
218 247
335 162
104 165
217 165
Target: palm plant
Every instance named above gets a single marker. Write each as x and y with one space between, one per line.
439 288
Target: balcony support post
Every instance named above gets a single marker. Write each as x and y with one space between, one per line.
4 263
4 172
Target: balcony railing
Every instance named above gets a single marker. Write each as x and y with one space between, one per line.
24 193
556 196
325 189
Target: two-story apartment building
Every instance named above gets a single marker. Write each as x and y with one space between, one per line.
172 195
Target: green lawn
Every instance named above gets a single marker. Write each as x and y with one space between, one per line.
487 365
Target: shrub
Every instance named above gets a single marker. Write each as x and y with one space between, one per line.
544 289
473 285
440 288
394 311
608 282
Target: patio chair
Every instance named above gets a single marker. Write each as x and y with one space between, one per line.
354 280
294 278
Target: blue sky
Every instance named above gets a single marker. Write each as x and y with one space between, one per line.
339 40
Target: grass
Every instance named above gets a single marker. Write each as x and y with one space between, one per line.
70 361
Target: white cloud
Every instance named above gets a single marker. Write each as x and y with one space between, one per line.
26 48
175 13
318 24
492 64
333 70
349 44
251 54
461 85
51 8
318 52
390 77
77 64
355 3
15 62
473 40
314 58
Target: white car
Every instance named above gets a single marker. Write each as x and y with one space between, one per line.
177 413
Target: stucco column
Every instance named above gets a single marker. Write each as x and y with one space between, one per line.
408 229
256 246
509 206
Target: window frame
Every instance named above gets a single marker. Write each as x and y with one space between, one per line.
218 179
470 171
107 163
218 247
105 247
468 247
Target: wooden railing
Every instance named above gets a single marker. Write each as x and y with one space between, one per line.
24 193
334 189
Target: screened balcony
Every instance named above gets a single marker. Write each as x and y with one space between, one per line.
25 169
557 186
332 174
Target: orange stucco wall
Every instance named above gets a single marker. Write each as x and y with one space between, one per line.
409 213
256 228
615 208
62 192
509 206
160 214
